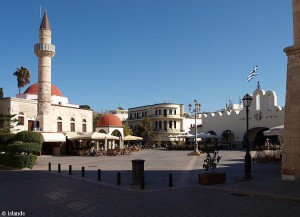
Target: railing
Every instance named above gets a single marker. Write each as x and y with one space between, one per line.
44 49
168 130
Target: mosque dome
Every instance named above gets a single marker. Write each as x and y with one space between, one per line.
33 89
109 120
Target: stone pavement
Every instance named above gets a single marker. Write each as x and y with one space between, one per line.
38 192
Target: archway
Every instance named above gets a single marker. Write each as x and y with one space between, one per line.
228 138
256 137
211 132
116 133
102 131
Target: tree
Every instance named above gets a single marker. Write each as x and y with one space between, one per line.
127 130
7 122
96 116
23 77
1 93
145 129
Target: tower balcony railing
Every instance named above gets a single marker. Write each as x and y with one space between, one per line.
44 49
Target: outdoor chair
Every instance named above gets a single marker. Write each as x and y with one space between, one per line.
253 155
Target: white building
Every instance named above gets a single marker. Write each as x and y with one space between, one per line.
230 125
42 107
121 113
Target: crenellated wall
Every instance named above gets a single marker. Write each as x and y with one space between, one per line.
263 113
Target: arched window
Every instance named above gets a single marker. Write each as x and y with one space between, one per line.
83 125
59 124
159 125
21 119
165 125
174 124
170 124
156 125
170 111
72 125
159 111
257 102
102 131
165 112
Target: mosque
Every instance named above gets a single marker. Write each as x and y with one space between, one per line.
43 107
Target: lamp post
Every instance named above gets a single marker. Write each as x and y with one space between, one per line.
247 99
229 135
195 111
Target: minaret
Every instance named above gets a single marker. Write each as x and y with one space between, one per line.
291 147
44 50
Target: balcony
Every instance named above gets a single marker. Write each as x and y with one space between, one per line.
167 130
41 49
165 116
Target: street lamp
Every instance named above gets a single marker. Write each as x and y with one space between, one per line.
195 111
247 99
229 135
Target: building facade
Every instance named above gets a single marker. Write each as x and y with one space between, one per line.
229 125
291 150
121 113
42 107
167 119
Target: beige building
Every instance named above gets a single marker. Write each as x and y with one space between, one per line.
168 120
291 150
43 107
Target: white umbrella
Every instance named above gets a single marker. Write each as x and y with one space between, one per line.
206 136
132 138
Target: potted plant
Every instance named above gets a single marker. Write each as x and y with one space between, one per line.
210 164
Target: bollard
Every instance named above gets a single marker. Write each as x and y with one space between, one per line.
137 171
99 175
142 182
170 180
82 172
119 178
49 166
70 169
59 168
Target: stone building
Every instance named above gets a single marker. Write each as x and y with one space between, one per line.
291 150
43 107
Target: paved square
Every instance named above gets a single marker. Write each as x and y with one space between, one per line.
38 192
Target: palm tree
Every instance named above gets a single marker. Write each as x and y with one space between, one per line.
23 77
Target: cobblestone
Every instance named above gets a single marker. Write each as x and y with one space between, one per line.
41 193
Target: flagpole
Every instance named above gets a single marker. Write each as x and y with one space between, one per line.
258 85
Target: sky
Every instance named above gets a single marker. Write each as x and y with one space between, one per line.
131 53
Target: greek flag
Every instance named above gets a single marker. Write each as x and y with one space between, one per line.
253 73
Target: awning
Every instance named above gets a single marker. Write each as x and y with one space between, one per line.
132 138
206 136
275 131
94 136
53 137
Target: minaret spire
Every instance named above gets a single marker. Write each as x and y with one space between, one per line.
44 50
45 22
